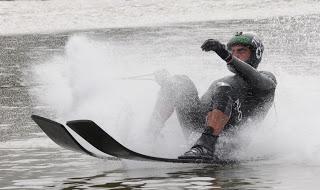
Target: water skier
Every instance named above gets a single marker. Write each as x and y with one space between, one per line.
229 102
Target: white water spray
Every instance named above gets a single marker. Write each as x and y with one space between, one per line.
291 133
83 84
86 83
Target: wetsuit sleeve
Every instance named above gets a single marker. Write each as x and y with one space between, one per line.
259 80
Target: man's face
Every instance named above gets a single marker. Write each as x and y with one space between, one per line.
241 52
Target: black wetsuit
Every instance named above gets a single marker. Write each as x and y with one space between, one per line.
246 95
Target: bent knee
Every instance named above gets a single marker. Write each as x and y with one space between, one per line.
223 87
222 98
182 84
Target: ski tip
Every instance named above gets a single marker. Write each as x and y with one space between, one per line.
37 117
79 122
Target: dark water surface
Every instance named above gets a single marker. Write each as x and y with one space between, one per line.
29 160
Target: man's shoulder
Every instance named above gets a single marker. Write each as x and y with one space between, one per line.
227 79
232 80
269 75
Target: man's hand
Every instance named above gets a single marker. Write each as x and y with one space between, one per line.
216 46
212 45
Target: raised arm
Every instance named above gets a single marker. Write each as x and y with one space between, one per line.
261 80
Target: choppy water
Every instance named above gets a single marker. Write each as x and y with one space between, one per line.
29 16
74 75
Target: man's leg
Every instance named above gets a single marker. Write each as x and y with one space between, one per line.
178 93
221 104
216 120
189 109
163 109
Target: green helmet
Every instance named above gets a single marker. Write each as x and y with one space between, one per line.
253 42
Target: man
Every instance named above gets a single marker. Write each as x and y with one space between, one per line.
229 102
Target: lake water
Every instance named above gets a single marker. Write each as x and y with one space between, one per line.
67 61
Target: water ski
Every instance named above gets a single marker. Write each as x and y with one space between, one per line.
101 140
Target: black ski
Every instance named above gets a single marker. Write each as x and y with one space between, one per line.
60 135
98 138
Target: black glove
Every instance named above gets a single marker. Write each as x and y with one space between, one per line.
219 48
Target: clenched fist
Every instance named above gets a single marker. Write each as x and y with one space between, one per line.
216 46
